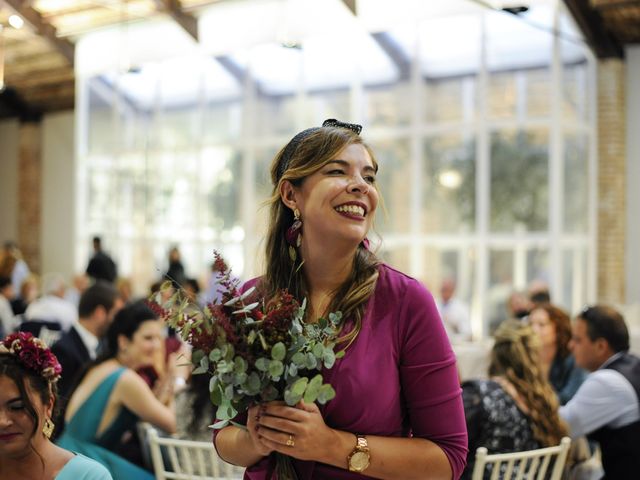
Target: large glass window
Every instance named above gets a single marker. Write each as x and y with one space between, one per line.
480 121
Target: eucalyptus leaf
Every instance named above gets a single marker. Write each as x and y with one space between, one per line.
299 359
216 396
199 370
278 351
276 369
300 385
270 393
310 361
262 364
318 350
220 424
326 393
328 357
240 365
228 392
215 355
291 398
340 354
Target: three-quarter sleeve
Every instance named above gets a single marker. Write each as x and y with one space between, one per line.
429 377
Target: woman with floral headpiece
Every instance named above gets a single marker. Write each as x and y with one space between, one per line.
398 411
28 376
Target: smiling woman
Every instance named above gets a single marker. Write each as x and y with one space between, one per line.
28 374
397 412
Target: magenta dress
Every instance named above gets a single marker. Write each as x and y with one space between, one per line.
398 379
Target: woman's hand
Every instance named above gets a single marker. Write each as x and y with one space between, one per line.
253 417
299 431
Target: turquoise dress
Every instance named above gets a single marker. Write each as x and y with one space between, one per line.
80 432
83 468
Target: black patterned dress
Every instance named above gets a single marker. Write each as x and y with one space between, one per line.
494 421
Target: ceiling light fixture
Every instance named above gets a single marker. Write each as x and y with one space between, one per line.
16 21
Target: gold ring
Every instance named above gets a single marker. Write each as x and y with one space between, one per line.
290 441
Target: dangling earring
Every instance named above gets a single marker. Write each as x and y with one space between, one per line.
47 427
294 235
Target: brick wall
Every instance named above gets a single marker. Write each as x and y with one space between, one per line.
611 180
30 193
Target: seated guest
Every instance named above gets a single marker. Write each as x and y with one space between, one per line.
77 347
52 306
553 327
606 407
29 291
111 397
8 321
516 409
28 376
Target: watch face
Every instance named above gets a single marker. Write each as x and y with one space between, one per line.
359 461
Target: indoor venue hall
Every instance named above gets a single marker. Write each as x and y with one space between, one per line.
458 178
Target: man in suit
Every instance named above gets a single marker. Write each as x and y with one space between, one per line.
77 347
606 407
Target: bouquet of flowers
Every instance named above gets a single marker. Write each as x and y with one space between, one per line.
254 350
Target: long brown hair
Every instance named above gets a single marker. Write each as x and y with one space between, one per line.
515 357
311 153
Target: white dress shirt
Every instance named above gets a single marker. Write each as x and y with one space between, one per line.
606 398
89 339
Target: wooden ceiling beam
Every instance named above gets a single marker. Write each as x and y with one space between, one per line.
603 5
187 21
48 31
351 5
598 37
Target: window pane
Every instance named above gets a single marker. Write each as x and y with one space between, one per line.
519 180
451 99
397 256
537 266
500 287
574 288
449 184
394 175
576 183
387 105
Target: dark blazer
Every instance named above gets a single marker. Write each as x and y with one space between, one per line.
73 356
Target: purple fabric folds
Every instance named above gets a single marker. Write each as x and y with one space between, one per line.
398 379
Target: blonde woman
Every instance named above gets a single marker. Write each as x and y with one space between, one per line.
516 409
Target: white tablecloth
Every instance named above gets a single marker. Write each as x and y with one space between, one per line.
473 358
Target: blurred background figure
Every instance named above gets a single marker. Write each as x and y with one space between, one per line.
29 291
175 272
125 290
52 305
518 305
79 285
606 407
454 312
101 266
553 327
516 409
8 322
191 290
13 266
111 397
77 347
539 292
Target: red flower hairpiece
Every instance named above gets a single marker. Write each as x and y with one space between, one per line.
33 354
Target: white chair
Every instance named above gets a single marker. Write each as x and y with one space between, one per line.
187 459
529 465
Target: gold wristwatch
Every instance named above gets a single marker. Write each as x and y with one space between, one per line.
360 458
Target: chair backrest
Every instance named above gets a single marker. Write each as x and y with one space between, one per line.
178 459
527 465
48 331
